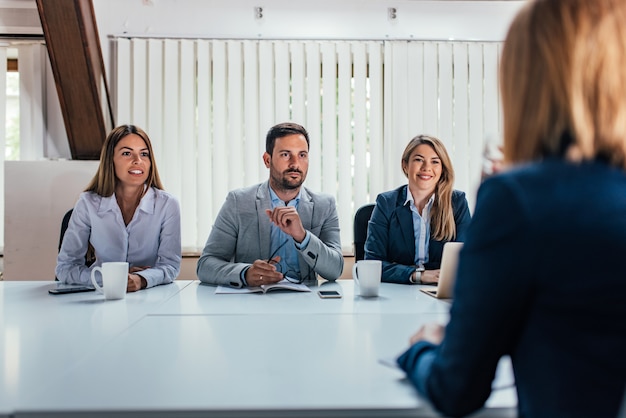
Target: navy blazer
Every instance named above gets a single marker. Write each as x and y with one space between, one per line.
540 278
390 235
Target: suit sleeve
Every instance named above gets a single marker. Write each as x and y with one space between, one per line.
462 216
323 253
215 265
377 244
490 298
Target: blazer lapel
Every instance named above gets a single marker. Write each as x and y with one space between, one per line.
405 221
305 210
263 202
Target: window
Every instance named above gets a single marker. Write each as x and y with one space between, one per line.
12 133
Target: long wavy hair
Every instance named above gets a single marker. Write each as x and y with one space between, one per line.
442 225
562 82
105 180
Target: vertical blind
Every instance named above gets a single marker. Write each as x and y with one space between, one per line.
207 105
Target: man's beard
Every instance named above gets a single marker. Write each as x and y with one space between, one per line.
283 182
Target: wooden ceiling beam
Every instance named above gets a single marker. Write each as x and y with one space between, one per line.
73 45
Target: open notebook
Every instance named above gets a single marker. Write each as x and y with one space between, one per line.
447 273
282 285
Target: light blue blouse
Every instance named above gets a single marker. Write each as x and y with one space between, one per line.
421 227
152 238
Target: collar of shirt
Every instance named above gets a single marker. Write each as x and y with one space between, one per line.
146 204
277 202
409 199
148 200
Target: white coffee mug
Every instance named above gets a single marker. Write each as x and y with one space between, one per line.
114 279
366 274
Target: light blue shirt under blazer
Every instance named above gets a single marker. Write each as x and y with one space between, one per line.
421 227
152 237
288 253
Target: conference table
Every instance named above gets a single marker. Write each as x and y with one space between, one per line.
184 350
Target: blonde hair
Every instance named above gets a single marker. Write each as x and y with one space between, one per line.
443 227
562 81
104 182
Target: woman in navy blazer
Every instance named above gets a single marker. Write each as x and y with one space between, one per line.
541 273
407 230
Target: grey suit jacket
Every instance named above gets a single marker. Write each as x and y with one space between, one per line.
241 235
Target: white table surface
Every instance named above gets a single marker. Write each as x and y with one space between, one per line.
43 335
183 350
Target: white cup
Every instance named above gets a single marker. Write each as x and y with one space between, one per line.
114 279
366 274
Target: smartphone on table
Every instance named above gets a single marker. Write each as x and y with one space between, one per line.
329 294
70 289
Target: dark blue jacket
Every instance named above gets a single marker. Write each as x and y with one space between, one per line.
390 235
542 278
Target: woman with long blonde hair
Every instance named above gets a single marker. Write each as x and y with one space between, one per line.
410 225
541 273
124 215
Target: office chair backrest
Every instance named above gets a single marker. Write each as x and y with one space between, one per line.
361 219
90 256
64 223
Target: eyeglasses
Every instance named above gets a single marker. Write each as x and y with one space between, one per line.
288 274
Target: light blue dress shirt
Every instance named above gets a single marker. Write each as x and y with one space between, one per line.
421 228
152 237
288 253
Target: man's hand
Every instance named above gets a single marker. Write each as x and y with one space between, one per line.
263 272
288 220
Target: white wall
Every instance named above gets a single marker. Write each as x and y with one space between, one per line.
297 19
37 195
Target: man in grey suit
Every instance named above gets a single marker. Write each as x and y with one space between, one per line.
277 229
